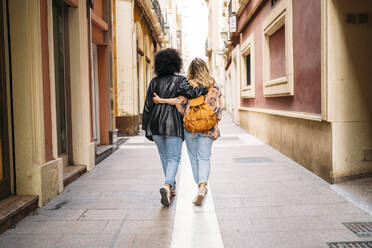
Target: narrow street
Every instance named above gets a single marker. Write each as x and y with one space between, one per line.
260 198
292 169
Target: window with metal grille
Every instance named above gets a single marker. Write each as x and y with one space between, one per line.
351 19
248 65
354 18
363 18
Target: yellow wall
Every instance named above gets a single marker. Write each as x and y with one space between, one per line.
24 18
144 33
83 148
35 176
307 142
131 24
349 87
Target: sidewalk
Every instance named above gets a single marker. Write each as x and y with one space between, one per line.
259 197
263 199
115 205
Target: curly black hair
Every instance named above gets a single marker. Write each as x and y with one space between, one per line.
167 62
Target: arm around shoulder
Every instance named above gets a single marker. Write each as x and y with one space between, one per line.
187 90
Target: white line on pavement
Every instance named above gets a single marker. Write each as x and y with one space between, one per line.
194 226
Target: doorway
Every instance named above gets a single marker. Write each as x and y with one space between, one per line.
62 80
96 126
4 104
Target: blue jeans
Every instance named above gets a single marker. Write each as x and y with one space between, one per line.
169 148
199 150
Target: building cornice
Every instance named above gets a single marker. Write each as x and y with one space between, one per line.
247 19
243 4
152 21
250 14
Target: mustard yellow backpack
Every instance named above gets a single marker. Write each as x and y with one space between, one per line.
201 117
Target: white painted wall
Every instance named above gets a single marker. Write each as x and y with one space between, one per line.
126 59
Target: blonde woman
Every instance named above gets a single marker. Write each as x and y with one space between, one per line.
163 124
199 145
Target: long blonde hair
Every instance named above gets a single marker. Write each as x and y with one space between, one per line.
199 72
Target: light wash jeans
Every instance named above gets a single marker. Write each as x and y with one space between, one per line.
199 150
169 148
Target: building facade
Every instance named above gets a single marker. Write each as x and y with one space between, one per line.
215 45
56 95
296 76
172 24
140 29
100 36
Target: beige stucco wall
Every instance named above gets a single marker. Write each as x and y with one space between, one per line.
50 178
33 175
169 11
126 63
307 142
350 139
349 57
141 62
80 97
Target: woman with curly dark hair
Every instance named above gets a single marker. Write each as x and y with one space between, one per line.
162 123
199 144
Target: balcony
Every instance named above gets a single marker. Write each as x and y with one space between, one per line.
157 8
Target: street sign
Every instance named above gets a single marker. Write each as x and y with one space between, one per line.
233 24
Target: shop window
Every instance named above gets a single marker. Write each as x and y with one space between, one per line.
278 51
248 65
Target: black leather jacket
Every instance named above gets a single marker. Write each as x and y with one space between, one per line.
164 119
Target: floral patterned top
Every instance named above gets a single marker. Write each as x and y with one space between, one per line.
213 99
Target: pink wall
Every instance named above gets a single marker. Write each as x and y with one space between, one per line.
306 57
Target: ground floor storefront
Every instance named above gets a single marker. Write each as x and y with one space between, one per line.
48 135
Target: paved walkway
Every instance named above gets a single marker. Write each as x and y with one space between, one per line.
264 199
258 198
